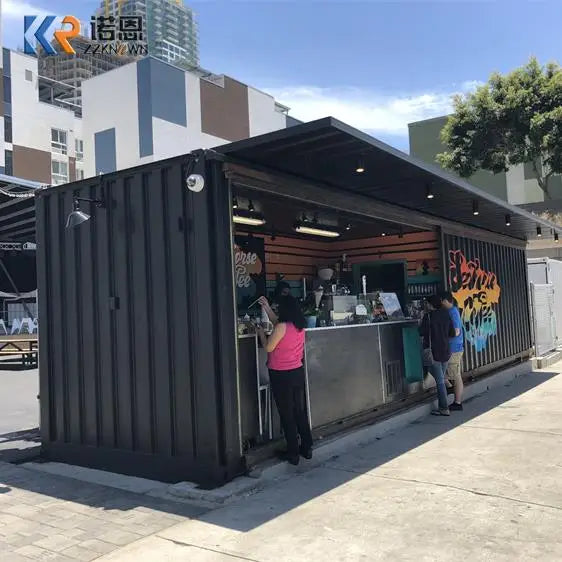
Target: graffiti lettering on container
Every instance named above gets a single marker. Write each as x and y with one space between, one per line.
477 293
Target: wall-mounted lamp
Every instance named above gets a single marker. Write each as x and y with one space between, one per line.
556 237
539 232
77 217
348 226
475 210
507 220
235 202
383 233
429 192
251 207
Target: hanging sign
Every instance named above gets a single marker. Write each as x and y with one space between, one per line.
249 269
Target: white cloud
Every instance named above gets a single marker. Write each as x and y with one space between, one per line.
367 110
14 9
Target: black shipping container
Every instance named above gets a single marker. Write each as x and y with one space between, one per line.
138 362
138 357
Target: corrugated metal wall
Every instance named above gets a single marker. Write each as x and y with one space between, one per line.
133 308
489 282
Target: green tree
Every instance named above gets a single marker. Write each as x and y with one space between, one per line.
512 119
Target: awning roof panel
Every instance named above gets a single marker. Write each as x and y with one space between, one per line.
328 151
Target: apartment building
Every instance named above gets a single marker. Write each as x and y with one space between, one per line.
72 70
42 139
170 26
148 122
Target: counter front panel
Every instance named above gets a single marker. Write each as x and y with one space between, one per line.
344 372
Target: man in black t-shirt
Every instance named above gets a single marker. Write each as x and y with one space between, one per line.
436 329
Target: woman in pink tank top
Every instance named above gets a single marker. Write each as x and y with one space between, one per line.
285 348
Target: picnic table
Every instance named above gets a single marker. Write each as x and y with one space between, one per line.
27 348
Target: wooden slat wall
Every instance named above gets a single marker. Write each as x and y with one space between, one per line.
414 248
297 258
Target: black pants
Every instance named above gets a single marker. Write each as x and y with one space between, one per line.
288 389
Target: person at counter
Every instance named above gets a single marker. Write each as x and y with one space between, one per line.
285 348
436 328
283 289
456 345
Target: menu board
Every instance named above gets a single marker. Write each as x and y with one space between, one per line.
249 270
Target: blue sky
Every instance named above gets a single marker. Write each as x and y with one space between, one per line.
376 65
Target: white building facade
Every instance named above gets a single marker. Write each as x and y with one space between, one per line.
150 110
42 142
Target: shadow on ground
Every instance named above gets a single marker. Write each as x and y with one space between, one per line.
20 446
12 364
391 446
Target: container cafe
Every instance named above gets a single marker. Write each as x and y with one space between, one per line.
148 278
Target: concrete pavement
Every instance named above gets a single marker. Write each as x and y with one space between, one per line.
19 414
481 485
19 407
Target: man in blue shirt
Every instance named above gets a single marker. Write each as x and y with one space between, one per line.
456 347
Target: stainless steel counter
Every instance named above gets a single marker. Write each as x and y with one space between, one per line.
353 369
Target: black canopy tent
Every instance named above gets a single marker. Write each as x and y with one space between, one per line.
17 235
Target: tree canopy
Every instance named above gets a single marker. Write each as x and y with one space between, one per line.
512 119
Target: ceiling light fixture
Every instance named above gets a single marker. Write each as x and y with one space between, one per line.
429 191
251 207
360 165
507 220
475 210
316 229
248 221
539 232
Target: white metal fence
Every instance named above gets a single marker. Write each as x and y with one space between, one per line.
544 319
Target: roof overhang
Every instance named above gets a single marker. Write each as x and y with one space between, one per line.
17 209
327 151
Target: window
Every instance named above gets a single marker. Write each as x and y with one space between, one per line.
58 141
79 149
29 75
8 129
59 172
7 89
8 163
79 174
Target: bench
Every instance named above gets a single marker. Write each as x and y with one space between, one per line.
27 349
